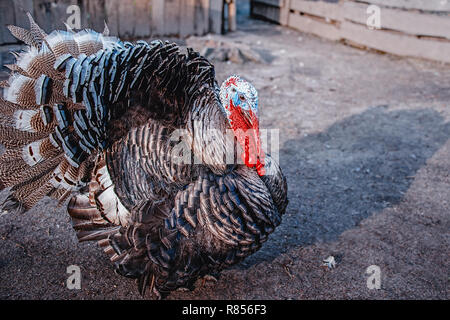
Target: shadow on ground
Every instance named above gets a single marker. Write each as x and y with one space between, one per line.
354 169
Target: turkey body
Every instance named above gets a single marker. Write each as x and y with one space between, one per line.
102 122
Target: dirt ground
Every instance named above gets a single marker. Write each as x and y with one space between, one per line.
364 143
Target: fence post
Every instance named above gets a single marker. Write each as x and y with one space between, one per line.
231 15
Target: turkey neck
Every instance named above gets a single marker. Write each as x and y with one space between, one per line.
143 161
207 127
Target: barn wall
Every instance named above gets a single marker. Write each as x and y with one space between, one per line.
125 18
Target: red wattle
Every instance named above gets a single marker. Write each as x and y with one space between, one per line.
250 142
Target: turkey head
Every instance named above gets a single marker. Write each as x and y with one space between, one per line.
239 99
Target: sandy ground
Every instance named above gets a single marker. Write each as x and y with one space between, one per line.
364 143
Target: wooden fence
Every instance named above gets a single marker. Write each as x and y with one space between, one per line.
125 18
414 28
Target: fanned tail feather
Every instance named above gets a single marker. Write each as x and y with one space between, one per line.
42 156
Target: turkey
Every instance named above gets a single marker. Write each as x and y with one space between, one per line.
136 138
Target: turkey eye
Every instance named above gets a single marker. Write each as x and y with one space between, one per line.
242 97
233 90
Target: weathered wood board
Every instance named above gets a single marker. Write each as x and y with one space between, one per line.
274 3
423 32
396 43
51 15
95 14
314 26
274 10
410 22
325 10
125 18
426 5
21 7
215 16
6 18
267 12
232 10
201 17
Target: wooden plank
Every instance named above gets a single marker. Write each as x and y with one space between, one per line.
264 8
126 18
415 23
158 17
314 26
318 8
268 12
93 15
284 12
21 7
396 43
172 17
232 15
6 18
275 3
426 5
215 16
112 16
186 16
142 18
129 18
51 15
201 17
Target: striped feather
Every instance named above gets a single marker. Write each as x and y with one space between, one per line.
38 151
23 119
21 90
61 43
88 41
36 62
13 138
19 176
35 30
24 35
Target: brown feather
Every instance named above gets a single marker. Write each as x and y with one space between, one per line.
24 35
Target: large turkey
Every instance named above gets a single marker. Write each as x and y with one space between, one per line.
107 123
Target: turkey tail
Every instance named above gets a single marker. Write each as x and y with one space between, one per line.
47 153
